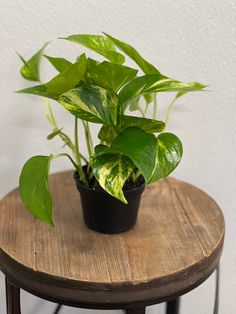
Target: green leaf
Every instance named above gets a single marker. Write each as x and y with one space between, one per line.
61 83
109 133
148 125
147 67
197 85
155 83
148 98
30 69
169 154
140 147
91 103
101 149
99 44
65 138
110 75
112 170
134 103
91 64
60 64
34 190
54 133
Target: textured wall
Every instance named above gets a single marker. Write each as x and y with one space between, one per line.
187 40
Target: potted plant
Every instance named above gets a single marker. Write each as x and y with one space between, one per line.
134 150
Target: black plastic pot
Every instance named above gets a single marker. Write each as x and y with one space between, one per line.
106 214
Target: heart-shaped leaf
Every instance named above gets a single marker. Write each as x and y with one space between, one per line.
99 44
34 190
61 83
60 64
169 154
110 75
140 147
30 69
155 83
92 103
147 67
111 170
109 133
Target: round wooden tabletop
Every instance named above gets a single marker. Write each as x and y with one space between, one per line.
175 245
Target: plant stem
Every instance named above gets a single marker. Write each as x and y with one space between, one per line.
90 139
146 109
133 177
155 107
89 146
171 105
91 175
65 155
75 148
64 137
137 174
49 114
77 154
79 169
87 137
83 158
142 112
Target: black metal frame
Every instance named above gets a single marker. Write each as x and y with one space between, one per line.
13 303
173 306
13 300
58 308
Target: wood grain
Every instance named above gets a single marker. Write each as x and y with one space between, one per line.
175 244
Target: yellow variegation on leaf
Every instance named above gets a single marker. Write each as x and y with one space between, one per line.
112 170
92 103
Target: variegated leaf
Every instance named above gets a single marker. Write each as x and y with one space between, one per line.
61 83
109 133
169 154
112 170
155 83
100 44
91 103
138 146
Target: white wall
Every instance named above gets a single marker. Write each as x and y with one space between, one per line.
188 40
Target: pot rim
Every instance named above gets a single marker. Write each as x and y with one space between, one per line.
81 185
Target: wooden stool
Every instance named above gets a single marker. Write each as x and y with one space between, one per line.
174 247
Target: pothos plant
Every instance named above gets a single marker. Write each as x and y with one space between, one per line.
102 92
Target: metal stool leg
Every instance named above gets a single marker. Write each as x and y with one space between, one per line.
12 298
136 310
58 308
173 306
216 306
